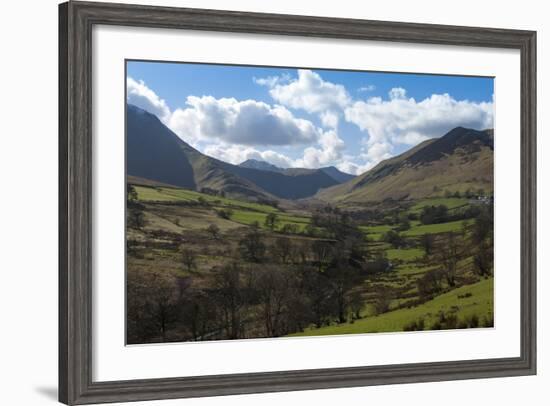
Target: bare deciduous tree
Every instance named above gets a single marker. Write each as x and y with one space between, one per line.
214 231
230 294
356 304
382 300
252 247
152 298
321 251
283 249
271 221
189 259
449 255
483 259
427 241
274 286
343 278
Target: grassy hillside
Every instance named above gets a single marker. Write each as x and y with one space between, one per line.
463 302
459 161
241 211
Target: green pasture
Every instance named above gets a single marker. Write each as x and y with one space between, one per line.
249 217
375 233
184 195
421 229
408 270
410 254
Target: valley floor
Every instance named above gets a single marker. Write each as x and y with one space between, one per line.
203 266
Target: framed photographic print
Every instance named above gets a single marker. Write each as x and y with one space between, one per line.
258 202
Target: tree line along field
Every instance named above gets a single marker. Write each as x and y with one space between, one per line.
201 266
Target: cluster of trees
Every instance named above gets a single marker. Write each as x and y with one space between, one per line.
225 213
274 287
450 248
441 214
469 193
212 192
447 251
134 209
240 301
483 243
394 238
368 215
434 214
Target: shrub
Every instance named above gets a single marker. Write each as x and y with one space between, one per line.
394 238
214 231
446 321
225 213
289 228
378 265
473 321
415 325
462 324
404 225
382 302
434 214
436 325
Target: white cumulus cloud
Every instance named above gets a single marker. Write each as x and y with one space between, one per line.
353 168
329 151
309 92
271 81
397 93
138 94
247 122
235 154
402 120
376 152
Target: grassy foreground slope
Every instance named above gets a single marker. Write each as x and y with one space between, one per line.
464 302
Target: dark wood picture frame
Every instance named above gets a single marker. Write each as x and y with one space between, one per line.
76 20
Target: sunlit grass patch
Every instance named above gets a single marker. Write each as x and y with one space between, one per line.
475 299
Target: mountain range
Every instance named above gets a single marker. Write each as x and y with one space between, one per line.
156 153
331 171
459 160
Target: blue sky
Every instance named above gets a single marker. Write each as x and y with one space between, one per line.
306 117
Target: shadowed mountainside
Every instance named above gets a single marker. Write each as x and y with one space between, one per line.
154 152
331 171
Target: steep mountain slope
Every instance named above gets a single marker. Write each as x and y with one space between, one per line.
154 152
261 165
337 174
331 171
462 159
